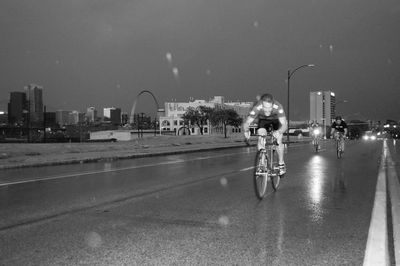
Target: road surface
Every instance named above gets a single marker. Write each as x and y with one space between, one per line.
192 209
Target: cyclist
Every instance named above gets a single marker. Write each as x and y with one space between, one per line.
268 112
339 128
316 132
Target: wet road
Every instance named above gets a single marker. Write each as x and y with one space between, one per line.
192 209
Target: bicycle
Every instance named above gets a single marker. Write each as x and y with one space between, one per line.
339 144
266 166
316 140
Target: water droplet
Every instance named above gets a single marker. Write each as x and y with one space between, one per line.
93 240
223 181
223 220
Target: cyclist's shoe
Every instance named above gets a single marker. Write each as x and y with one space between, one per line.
282 169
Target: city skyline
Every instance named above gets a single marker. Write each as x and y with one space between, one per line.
96 53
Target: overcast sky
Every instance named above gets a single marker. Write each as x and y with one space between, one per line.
102 53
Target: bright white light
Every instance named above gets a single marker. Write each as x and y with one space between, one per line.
365 137
373 137
319 93
2 113
316 132
175 71
169 57
332 94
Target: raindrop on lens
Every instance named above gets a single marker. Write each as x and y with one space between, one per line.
223 220
93 240
223 181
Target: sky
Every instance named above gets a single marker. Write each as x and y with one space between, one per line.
103 53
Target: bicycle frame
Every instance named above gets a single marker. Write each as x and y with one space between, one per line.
270 144
266 166
339 144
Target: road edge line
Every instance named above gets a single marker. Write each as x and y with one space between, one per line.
376 252
394 193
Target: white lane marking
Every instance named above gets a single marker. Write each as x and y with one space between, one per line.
376 252
246 169
394 192
31 180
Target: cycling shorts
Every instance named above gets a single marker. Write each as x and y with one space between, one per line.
269 124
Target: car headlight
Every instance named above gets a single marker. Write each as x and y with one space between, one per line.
373 137
365 137
316 132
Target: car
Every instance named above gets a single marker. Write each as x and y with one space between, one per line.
369 135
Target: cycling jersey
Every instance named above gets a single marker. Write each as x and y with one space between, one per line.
267 121
339 127
258 112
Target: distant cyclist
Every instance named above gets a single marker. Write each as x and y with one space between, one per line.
339 128
316 132
268 112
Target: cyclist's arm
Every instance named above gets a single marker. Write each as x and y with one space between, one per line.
332 131
247 122
246 127
283 122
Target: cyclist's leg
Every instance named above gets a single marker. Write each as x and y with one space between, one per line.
276 125
342 143
261 140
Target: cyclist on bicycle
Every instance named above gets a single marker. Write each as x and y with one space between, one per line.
269 112
316 131
338 128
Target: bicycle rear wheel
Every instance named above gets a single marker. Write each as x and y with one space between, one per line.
339 149
275 177
261 174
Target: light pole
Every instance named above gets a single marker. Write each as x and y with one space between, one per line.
289 75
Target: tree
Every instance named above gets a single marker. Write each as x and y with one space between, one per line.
225 117
198 116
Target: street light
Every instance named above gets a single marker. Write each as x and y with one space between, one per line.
289 75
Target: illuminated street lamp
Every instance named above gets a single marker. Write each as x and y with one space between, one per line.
289 75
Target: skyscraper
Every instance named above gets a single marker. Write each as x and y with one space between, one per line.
16 108
91 114
322 107
34 94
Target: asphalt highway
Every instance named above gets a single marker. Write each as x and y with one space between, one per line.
194 209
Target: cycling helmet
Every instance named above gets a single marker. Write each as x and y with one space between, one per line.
338 117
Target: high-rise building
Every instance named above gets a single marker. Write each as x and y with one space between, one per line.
62 117
17 108
115 116
74 118
322 107
34 94
91 114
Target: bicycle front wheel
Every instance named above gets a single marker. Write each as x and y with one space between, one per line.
275 177
261 174
316 146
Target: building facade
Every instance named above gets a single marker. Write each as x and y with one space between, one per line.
17 108
91 114
322 108
173 121
34 95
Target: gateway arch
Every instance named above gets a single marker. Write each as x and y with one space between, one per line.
131 118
